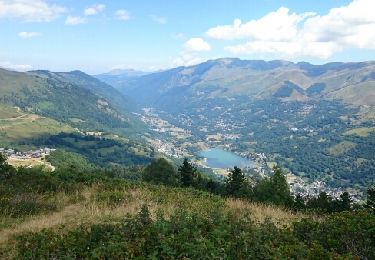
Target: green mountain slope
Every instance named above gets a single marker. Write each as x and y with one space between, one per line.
72 98
225 78
297 114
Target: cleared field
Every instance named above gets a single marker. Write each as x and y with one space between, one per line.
362 131
28 163
341 148
16 126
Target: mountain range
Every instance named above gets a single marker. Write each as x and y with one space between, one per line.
353 83
316 121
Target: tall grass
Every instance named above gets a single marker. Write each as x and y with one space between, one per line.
106 204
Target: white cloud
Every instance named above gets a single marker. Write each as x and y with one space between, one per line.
275 26
300 35
197 44
75 20
93 10
18 67
30 11
186 59
159 19
28 34
122 14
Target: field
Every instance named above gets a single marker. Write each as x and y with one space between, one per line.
100 204
30 162
341 148
16 126
362 131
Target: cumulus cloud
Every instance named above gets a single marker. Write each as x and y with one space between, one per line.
197 44
159 19
186 59
28 34
12 66
306 34
93 10
122 14
275 26
30 11
75 20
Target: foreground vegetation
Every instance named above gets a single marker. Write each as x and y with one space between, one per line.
80 211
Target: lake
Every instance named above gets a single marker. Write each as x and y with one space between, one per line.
219 158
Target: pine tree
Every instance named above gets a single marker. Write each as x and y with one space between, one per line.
370 203
299 202
236 183
188 173
344 202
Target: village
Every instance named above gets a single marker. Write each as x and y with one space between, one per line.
29 158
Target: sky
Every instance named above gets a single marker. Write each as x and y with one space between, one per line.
98 36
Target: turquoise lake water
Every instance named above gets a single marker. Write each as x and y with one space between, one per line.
219 158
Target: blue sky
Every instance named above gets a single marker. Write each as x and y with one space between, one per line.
97 36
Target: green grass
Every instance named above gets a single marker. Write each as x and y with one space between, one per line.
17 126
8 112
362 131
341 148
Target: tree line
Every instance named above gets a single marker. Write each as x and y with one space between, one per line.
272 190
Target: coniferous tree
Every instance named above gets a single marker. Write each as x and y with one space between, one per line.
370 203
299 202
188 173
344 203
236 183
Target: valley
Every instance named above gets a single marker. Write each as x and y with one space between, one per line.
192 129
294 115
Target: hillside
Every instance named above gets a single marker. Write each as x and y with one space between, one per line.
81 212
307 118
46 94
63 110
226 78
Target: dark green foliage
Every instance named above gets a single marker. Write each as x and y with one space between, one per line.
344 203
305 152
6 170
97 150
188 174
326 204
160 171
66 160
274 189
299 203
370 203
236 184
347 233
187 235
322 203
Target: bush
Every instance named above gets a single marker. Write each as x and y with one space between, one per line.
186 235
346 233
160 171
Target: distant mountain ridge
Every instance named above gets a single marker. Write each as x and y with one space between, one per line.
117 77
353 83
